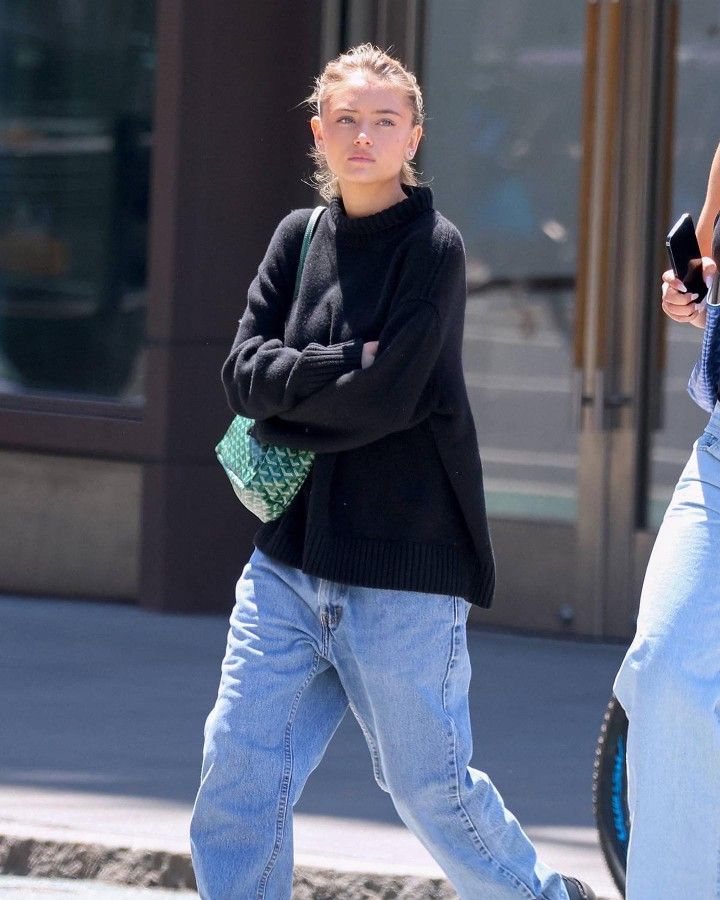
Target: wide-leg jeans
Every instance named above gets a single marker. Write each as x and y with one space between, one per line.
300 650
669 685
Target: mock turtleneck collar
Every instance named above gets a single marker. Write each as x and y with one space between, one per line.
419 198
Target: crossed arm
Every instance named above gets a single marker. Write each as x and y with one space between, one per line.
396 392
321 398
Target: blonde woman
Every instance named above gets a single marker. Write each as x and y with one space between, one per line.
358 594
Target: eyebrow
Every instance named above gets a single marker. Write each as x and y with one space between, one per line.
375 112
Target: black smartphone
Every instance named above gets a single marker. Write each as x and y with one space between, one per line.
685 256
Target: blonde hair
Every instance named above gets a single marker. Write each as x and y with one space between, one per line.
376 63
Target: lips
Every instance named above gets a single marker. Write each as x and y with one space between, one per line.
361 159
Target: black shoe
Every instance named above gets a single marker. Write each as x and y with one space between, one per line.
577 889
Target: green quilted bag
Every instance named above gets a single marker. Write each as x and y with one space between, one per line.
266 478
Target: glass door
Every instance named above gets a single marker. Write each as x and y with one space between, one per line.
502 151
546 145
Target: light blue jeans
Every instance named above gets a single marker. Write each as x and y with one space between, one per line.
300 649
669 685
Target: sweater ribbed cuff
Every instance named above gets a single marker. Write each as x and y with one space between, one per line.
321 364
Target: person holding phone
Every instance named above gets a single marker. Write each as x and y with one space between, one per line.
677 303
669 680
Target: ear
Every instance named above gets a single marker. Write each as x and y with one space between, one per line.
316 125
416 134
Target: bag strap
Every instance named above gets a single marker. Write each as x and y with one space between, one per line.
309 231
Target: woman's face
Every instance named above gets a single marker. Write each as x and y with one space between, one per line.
363 118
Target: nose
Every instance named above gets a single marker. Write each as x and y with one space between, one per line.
362 137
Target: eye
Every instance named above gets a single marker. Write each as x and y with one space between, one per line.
387 120
344 117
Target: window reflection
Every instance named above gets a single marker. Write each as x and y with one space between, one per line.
502 145
76 89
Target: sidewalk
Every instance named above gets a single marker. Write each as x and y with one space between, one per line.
101 743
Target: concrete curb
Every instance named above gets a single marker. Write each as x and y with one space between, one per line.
71 859
159 868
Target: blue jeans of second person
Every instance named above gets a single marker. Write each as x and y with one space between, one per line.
300 649
669 685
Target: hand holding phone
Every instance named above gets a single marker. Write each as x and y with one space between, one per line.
685 256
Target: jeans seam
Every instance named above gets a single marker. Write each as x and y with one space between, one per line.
285 782
712 448
372 746
455 775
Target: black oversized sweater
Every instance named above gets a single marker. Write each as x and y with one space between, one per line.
395 495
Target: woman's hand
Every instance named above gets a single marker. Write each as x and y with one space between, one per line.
368 353
678 304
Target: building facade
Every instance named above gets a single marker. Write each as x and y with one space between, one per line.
148 150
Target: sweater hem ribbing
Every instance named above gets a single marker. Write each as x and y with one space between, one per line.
392 565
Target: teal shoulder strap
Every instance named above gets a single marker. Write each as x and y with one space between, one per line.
309 231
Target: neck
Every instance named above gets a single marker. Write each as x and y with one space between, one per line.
366 199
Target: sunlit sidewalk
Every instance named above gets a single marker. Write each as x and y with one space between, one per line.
104 707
